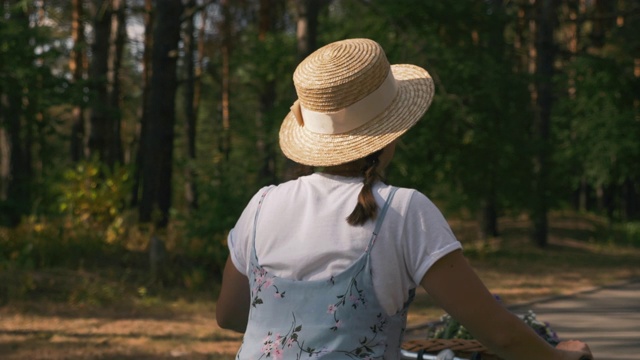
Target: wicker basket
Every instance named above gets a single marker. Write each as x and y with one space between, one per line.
462 348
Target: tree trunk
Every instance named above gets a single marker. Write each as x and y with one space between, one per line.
77 69
520 39
573 30
225 50
109 35
14 167
159 135
116 49
631 199
190 109
13 172
267 98
633 202
149 20
306 33
99 133
307 27
488 218
489 205
545 56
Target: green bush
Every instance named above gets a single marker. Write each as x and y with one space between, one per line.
93 197
89 223
627 233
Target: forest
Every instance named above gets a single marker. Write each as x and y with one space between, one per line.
133 132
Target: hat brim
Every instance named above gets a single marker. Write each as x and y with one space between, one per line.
413 97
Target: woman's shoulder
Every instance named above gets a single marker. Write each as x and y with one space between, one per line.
413 200
404 192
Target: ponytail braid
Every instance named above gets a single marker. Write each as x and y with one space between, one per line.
367 208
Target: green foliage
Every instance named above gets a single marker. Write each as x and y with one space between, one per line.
597 132
222 199
42 243
449 328
92 292
473 145
626 233
89 225
93 198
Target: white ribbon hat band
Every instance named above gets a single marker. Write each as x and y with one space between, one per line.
354 115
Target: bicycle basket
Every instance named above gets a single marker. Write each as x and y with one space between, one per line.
468 349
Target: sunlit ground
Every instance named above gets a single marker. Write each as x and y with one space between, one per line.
107 324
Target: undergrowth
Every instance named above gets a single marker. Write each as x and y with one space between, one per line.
58 260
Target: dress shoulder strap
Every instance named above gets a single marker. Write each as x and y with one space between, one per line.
381 217
255 222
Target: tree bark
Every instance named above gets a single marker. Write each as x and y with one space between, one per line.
14 163
307 27
149 21
13 173
159 136
77 68
107 50
267 98
190 108
116 50
489 205
99 132
545 57
306 34
633 202
225 51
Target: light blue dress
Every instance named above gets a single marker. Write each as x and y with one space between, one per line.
335 318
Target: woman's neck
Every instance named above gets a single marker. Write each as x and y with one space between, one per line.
352 169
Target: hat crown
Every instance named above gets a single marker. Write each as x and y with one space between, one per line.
340 74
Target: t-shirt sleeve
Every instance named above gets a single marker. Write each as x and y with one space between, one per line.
429 236
240 238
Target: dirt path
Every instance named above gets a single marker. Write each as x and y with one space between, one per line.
33 329
29 336
55 332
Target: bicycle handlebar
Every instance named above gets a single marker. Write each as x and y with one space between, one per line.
443 355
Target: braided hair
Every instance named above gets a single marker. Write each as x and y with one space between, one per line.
367 208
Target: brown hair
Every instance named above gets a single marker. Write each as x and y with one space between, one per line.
367 208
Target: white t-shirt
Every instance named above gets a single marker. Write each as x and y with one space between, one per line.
302 234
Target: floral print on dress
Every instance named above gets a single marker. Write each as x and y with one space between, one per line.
276 345
261 280
351 298
340 317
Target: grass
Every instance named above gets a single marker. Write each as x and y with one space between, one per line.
112 313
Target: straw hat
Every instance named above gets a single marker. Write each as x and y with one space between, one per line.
351 103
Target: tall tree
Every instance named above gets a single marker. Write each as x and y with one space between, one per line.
107 49
307 26
488 218
190 101
17 49
99 68
576 10
157 162
225 29
149 21
77 68
267 12
545 53
118 35
307 12
594 129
